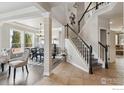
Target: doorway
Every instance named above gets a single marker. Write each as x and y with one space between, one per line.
103 40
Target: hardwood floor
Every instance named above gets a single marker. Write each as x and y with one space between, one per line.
22 78
67 74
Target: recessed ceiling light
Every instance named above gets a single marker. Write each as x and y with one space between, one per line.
110 22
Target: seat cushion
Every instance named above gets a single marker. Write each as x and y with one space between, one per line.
17 63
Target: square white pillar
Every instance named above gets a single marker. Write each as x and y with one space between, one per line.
62 39
47 45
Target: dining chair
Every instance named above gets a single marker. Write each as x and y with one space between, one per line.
21 62
33 53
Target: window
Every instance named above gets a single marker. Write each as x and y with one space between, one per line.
19 40
16 40
28 40
119 39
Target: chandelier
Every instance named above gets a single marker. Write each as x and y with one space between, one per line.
40 32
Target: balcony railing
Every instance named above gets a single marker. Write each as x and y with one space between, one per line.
90 11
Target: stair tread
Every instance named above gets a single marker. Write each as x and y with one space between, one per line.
96 65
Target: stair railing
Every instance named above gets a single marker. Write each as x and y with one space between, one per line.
105 47
86 50
88 9
83 16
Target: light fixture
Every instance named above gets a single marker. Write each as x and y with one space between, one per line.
40 32
54 40
110 22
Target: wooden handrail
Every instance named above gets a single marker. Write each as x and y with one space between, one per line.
95 7
84 12
78 36
106 56
87 54
102 45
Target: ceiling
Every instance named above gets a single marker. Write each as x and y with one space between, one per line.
49 5
26 13
116 23
35 22
116 17
11 6
19 10
116 11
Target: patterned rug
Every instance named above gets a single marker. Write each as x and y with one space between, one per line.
30 62
55 61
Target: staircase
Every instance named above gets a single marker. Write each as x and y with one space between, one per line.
83 47
95 64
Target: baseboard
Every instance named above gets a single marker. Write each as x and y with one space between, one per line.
79 67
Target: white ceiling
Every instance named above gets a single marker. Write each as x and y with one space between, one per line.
116 17
35 22
115 12
116 23
19 10
26 13
11 6
49 5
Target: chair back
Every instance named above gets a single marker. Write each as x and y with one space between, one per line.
33 50
41 50
10 53
26 55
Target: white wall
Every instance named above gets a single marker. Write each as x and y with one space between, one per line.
5 37
59 13
112 47
74 57
80 11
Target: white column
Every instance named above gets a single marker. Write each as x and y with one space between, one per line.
47 45
62 38
22 34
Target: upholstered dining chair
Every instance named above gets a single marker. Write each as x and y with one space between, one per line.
21 62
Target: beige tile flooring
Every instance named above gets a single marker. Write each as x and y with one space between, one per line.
67 74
